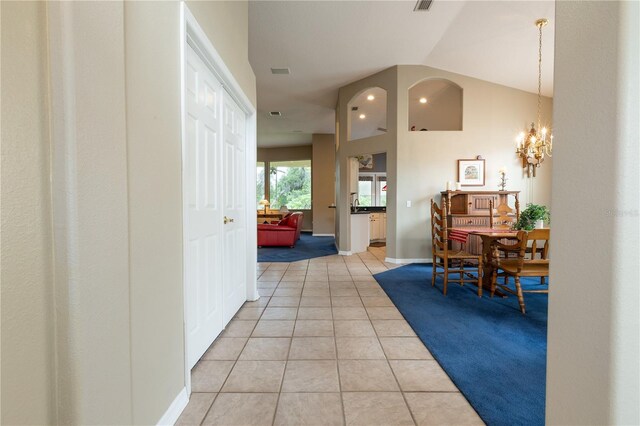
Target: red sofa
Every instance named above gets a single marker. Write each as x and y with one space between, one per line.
284 233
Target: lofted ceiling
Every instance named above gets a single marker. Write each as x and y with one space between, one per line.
328 44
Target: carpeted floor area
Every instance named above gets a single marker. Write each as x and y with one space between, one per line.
307 247
494 354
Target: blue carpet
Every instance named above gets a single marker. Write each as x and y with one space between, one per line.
307 247
494 354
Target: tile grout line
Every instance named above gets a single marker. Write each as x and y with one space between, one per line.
335 344
230 370
404 398
286 361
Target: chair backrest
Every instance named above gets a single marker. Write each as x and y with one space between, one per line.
438 227
539 237
502 216
520 247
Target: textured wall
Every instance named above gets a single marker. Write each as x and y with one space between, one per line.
324 185
26 269
593 341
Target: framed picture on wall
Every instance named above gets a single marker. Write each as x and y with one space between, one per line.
471 172
365 161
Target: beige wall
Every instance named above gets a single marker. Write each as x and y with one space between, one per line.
289 153
443 110
593 341
493 115
323 184
155 205
27 300
90 212
227 26
117 205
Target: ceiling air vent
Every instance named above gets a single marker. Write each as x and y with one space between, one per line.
382 129
354 108
280 71
423 5
275 114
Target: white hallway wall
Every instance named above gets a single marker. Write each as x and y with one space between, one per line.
118 338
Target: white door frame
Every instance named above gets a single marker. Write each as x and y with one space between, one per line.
192 34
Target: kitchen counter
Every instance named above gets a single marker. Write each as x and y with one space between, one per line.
359 232
368 209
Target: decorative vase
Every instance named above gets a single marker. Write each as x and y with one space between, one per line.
539 224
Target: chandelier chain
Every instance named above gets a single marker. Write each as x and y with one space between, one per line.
539 72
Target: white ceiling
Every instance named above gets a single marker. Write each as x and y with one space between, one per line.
328 44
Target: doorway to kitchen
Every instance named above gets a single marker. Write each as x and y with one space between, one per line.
368 201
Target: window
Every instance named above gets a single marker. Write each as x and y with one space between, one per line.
260 194
290 184
372 189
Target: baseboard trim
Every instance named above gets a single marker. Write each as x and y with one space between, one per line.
324 235
344 252
401 261
178 405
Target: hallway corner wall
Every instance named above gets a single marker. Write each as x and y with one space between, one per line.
27 333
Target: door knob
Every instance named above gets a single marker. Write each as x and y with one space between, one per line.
227 220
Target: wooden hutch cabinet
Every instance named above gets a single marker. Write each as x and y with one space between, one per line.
470 209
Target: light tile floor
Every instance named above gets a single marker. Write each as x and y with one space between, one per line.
323 345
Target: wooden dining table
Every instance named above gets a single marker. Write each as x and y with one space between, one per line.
488 237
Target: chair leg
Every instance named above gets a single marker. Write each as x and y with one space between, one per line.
446 276
494 278
433 272
479 278
520 295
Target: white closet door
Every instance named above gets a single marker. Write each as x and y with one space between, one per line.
203 207
235 209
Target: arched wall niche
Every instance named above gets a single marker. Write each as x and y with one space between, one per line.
367 113
435 104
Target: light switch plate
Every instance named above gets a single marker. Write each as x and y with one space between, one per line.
409 203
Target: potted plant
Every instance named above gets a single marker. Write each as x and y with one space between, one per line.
532 217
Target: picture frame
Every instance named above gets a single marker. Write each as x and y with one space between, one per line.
471 172
365 161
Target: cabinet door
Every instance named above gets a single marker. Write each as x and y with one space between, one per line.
479 204
374 230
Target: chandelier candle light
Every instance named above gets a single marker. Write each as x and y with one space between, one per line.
534 144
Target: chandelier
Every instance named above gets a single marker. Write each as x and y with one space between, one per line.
534 144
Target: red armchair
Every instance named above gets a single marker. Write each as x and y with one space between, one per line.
284 233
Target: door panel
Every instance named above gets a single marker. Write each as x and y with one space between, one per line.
202 214
235 281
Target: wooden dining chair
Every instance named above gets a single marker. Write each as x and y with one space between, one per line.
521 265
502 216
445 260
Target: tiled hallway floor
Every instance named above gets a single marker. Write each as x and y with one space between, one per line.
323 345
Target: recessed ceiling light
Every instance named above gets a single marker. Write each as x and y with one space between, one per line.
370 97
362 116
423 100
280 71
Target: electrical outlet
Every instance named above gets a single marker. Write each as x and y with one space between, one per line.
408 203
